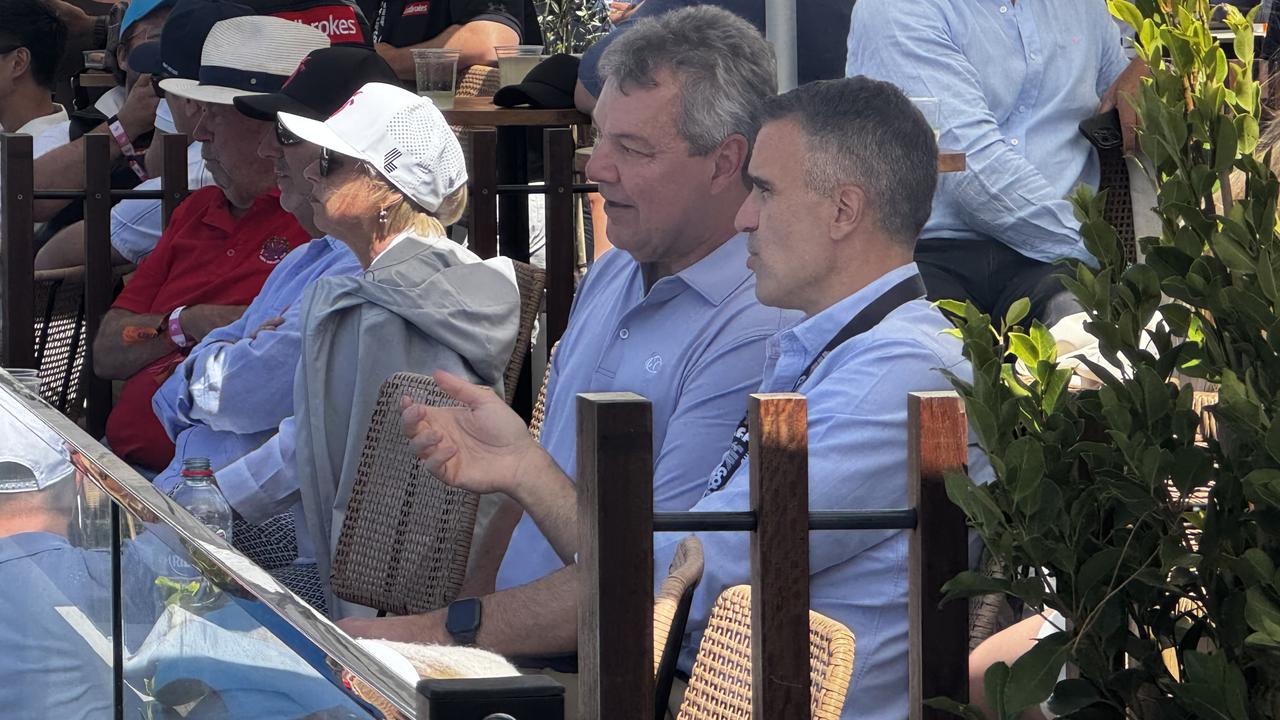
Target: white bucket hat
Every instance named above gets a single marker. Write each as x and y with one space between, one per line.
249 55
402 135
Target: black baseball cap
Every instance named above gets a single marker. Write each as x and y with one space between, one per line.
325 79
177 52
548 86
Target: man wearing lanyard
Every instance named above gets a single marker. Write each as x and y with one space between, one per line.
832 236
473 27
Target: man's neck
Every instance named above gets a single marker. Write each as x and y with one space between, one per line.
857 274
33 523
708 243
24 104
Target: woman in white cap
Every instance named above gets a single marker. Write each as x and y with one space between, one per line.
388 179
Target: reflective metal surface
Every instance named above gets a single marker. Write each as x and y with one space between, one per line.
231 608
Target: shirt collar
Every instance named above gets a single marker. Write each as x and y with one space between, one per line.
219 215
36 127
27 544
815 332
717 275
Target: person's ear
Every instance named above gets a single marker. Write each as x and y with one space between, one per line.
851 210
19 62
731 158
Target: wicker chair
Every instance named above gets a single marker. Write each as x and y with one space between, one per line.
540 405
60 337
989 614
720 684
406 537
671 614
531 282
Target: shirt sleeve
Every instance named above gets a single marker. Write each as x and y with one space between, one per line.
136 225
264 483
140 292
1001 194
232 382
507 12
1114 59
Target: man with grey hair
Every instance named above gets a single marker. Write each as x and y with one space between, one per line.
670 314
843 174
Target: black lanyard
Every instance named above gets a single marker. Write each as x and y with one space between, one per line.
380 22
895 297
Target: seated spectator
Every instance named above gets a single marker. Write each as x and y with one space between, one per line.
820 31
473 28
31 41
831 235
236 387
136 224
221 243
1013 81
389 178
671 314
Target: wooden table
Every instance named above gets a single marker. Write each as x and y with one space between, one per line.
481 112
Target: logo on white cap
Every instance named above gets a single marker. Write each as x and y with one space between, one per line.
389 161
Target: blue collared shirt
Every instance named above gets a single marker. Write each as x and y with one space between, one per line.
236 387
1013 82
857 400
691 345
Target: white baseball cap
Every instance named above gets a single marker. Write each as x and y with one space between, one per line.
32 456
402 135
249 55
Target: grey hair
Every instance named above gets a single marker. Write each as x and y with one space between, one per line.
865 132
723 64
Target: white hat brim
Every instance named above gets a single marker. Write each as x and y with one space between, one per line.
317 133
193 90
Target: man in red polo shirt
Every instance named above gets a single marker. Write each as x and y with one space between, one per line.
221 243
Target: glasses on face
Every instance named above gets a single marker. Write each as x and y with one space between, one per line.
284 136
328 162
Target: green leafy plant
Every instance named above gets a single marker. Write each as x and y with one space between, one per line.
1172 609
571 26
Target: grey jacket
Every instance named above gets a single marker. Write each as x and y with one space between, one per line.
423 305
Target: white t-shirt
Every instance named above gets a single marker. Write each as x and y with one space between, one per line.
136 224
47 132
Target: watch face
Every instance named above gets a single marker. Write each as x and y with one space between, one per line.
463 617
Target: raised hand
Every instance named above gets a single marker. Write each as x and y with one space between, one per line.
483 446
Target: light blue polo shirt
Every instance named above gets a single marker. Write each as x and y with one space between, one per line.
693 345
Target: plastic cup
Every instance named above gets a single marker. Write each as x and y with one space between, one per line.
437 73
515 62
28 378
928 107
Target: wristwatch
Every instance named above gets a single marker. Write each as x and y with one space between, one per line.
463 621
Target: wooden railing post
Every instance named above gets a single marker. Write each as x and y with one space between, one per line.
173 177
17 251
562 260
938 438
615 559
99 283
482 232
779 463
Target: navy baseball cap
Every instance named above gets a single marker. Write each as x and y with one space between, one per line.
325 79
177 52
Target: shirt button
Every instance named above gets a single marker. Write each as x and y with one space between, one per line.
624 333
1014 142
230 253
1022 108
1004 9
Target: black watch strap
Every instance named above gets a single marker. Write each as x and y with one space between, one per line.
463 620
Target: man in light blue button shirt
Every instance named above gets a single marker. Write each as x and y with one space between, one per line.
1013 80
671 313
831 235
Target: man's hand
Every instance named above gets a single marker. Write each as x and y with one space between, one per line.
400 60
200 320
620 11
1122 93
268 326
138 114
483 446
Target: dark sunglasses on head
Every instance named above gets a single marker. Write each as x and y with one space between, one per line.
284 136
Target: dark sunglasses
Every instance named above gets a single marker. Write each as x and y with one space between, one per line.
284 136
328 161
